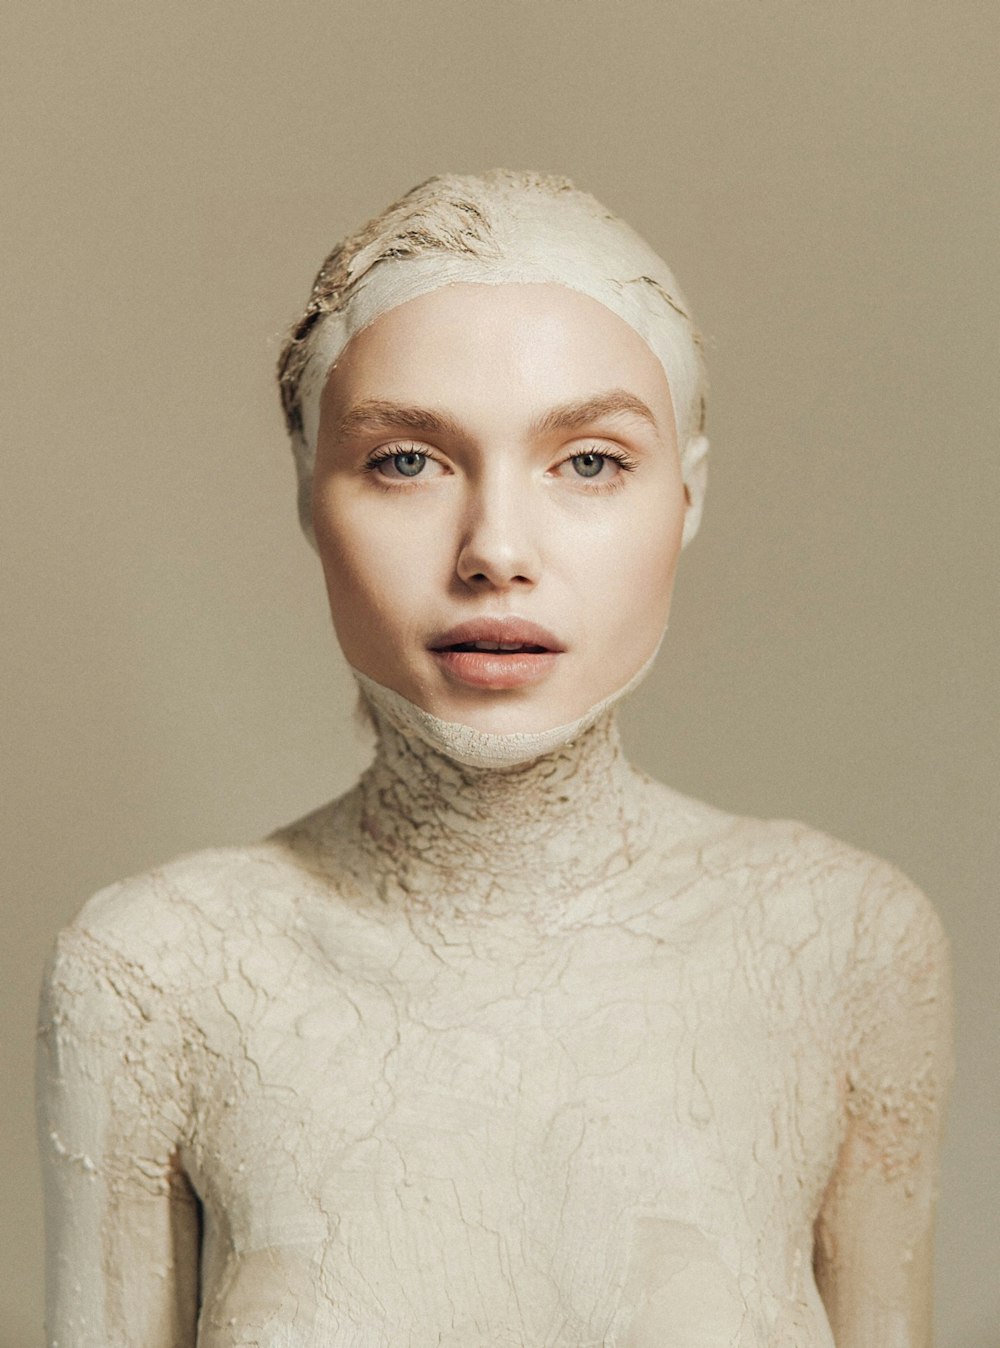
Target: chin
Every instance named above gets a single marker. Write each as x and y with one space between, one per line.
502 716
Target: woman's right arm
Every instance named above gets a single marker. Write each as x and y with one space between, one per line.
122 1222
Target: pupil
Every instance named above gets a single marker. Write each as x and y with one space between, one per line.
409 464
588 465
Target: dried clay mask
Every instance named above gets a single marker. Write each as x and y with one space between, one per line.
478 748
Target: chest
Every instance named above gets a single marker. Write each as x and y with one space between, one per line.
522 1145
608 1065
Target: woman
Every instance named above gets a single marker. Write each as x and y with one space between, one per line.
509 1045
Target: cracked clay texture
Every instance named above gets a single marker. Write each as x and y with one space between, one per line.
551 1057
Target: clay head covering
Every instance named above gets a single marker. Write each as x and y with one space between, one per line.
500 226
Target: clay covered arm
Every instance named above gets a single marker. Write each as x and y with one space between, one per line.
121 1219
874 1235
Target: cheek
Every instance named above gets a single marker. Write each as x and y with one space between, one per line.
645 577
371 564
631 576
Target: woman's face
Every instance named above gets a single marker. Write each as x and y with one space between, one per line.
497 466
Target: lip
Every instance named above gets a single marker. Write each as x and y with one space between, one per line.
502 628
494 670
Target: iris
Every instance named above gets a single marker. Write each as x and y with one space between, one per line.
588 465
410 465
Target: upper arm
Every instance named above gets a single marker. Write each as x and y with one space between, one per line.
874 1234
122 1223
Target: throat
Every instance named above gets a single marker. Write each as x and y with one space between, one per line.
537 839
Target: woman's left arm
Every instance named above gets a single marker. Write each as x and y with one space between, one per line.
873 1251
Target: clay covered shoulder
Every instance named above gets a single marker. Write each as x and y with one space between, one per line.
793 877
853 883
127 980
169 926
901 949
887 947
784 844
865 933
886 912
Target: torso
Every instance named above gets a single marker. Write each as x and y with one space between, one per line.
614 1132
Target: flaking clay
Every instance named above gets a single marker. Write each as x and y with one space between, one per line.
550 1056
508 1046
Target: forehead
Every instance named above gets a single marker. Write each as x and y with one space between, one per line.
475 346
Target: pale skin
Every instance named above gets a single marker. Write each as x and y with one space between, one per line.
501 450
501 518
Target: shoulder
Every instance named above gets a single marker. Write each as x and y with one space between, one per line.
882 926
882 908
785 864
181 925
779 847
164 926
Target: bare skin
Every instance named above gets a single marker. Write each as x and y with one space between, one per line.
551 1056
501 518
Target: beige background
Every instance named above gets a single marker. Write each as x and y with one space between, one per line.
823 179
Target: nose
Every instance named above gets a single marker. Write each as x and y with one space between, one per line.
498 549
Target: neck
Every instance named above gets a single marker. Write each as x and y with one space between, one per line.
530 839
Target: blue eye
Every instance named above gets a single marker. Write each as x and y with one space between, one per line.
410 464
588 465
396 464
605 468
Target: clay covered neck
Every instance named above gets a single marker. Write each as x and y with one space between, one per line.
531 835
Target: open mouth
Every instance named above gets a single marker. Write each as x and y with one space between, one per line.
498 647
496 653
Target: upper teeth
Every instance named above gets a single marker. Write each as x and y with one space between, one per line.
497 645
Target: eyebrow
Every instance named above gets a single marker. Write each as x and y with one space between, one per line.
376 415
573 416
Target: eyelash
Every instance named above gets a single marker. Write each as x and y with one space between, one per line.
624 461
390 452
